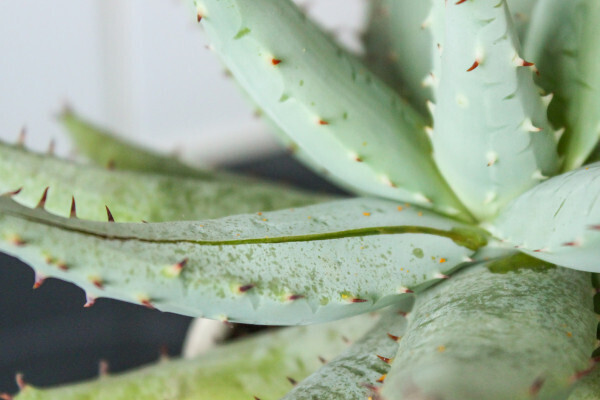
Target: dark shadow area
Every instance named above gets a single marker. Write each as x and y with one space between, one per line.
47 335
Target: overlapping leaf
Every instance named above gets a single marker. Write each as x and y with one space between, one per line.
491 138
562 41
514 329
359 371
335 110
562 220
294 266
135 196
259 366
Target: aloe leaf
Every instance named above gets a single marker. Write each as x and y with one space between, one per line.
359 370
588 388
106 149
397 35
134 196
521 12
491 139
496 333
563 220
258 366
562 41
288 267
333 108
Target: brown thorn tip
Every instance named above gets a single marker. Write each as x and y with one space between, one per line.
581 374
293 297
38 281
324 361
475 64
536 386
181 264
256 398
109 215
20 381
22 137
51 147
292 381
16 240
14 193
98 283
460 2
103 368
323 122
89 301
275 61
384 359
358 300
199 17
571 244
382 378
592 227
527 64
393 337
163 352
245 288
146 303
42 203
73 213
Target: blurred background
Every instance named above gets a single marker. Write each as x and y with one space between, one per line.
142 69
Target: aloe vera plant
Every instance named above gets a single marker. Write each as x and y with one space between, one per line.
464 269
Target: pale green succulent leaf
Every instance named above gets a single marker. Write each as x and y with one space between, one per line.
287 267
258 366
588 388
359 370
331 105
399 34
135 196
396 40
562 41
557 221
491 138
108 150
521 12
492 333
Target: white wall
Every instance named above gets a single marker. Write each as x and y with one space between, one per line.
137 66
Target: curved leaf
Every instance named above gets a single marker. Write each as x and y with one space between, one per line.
521 12
492 332
259 366
342 116
562 41
397 36
288 267
588 388
491 138
562 220
135 196
106 149
359 370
